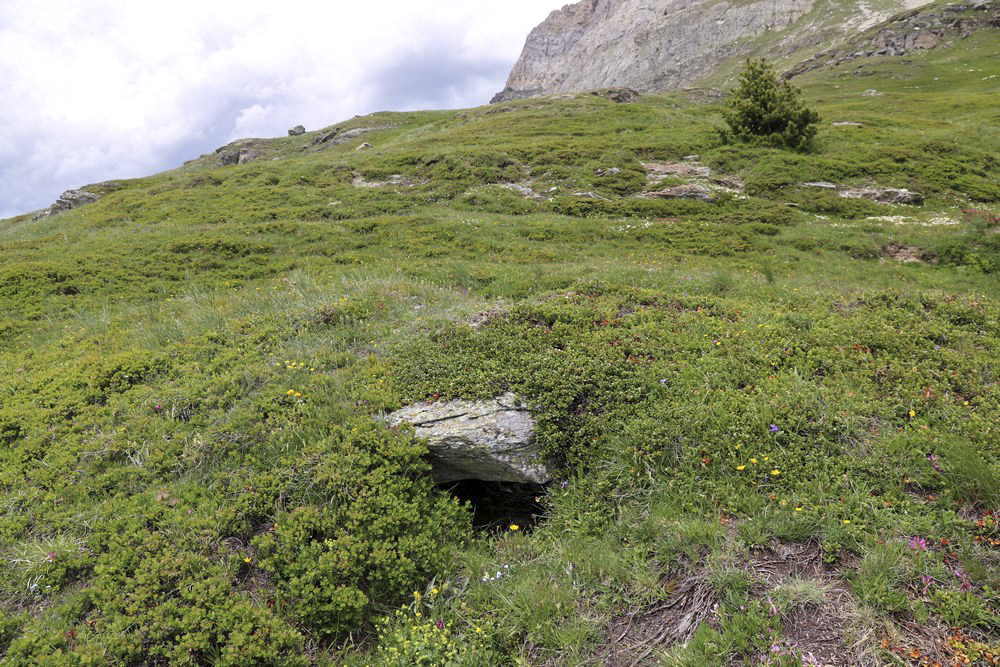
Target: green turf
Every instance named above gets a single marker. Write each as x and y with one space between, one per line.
192 372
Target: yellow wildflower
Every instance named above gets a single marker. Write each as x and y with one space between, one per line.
741 467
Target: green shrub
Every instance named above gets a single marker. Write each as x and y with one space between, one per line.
373 529
762 110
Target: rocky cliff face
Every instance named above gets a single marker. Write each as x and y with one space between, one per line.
918 30
656 45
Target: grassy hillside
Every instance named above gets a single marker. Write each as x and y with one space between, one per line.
775 416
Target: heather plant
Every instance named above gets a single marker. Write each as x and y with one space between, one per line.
981 218
331 561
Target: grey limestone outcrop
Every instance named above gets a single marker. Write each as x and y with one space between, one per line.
656 45
68 200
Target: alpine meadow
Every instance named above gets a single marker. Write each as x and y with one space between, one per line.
762 378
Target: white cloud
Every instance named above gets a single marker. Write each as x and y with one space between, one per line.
115 89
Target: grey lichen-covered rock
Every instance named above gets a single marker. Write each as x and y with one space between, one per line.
68 200
490 440
248 155
296 131
691 191
240 151
885 195
339 136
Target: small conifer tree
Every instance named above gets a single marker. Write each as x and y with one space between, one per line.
764 110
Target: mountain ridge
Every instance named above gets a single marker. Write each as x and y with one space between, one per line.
662 45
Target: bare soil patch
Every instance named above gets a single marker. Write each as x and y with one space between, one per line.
820 630
906 254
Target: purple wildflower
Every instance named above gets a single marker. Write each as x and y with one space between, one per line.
918 544
774 428
439 624
934 462
927 580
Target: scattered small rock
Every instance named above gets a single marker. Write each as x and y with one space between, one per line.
681 169
691 158
728 182
358 181
904 253
871 93
885 195
618 95
339 136
847 123
479 320
523 189
692 191
606 172
589 195
296 131
490 440
821 184
363 147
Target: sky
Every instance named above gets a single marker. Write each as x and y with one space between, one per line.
94 90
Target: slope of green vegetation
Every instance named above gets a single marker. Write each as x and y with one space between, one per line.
776 441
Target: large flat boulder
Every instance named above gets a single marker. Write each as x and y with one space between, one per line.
490 440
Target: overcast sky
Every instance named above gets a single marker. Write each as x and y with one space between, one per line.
92 90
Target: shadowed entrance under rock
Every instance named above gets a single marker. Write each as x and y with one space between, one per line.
498 505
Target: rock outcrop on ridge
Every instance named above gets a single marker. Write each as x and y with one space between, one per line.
657 45
918 30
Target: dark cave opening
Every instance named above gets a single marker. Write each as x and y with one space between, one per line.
499 505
